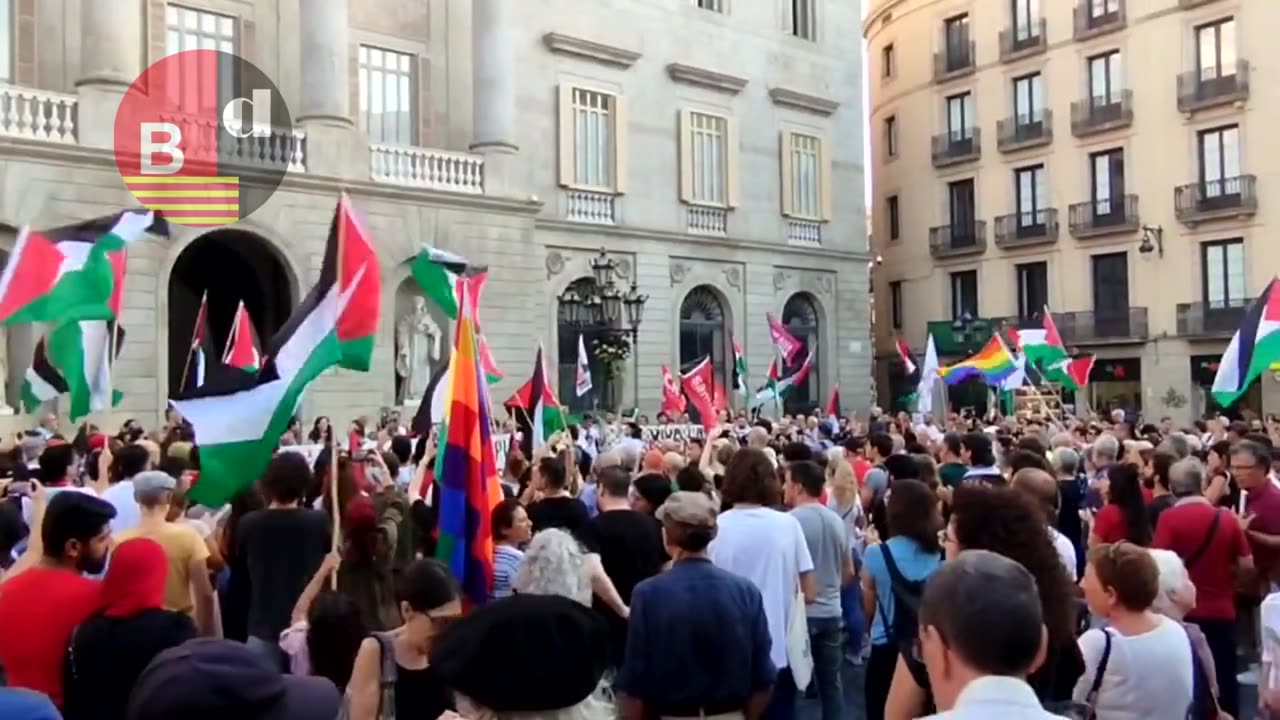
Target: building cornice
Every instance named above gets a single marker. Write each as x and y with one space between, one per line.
593 233
702 77
803 101
590 50
81 157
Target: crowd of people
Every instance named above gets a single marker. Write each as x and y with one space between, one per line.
1022 567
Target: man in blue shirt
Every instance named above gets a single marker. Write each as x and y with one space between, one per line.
698 639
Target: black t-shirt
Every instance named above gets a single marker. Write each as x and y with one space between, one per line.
283 549
421 693
1157 506
631 550
566 513
107 655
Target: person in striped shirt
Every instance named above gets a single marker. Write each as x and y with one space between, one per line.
511 530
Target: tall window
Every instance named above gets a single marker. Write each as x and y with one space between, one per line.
1033 288
708 151
1222 263
956 35
1107 177
891 135
891 209
703 331
960 116
1110 286
963 211
1219 150
1102 8
594 134
895 304
888 61
1028 99
800 315
806 157
1216 49
964 294
1026 19
1032 195
191 29
386 95
1105 83
804 19
6 40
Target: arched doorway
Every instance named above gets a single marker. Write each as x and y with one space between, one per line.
800 315
703 332
230 265
585 320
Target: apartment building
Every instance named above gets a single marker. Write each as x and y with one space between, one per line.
1106 158
700 144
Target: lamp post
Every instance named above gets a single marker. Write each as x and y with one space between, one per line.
600 308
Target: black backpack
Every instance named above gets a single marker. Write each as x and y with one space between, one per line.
907 595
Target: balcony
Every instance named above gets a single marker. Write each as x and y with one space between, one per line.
1020 42
592 208
960 146
1210 320
206 142
38 115
1235 197
804 233
1197 91
707 220
1099 114
1023 229
958 239
1025 131
1088 25
1087 327
954 61
1096 218
426 168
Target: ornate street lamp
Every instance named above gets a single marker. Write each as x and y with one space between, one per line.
571 306
611 301
602 269
634 301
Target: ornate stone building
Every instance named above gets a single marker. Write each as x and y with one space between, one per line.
712 147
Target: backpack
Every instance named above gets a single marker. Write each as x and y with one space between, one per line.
907 595
386 682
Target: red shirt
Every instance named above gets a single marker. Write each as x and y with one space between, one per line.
47 604
1183 528
1147 494
1109 524
1263 502
860 469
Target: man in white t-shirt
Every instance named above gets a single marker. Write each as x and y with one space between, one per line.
768 548
128 461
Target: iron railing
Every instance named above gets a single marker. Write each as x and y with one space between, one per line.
1209 199
1027 228
958 239
1104 216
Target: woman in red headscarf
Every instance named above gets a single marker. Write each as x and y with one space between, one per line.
109 650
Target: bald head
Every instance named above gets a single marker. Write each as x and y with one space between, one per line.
757 437
1041 487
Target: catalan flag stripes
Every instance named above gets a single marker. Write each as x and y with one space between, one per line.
189 200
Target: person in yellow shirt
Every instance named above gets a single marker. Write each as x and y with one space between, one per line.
188 588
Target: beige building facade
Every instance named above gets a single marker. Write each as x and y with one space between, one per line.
1105 158
713 148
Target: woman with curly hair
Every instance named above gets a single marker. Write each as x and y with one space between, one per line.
1007 522
1125 515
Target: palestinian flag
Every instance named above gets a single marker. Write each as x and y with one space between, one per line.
1253 349
242 345
1042 346
908 362
739 369
777 388
437 272
833 404
193 373
71 273
536 409
1070 373
239 426
73 359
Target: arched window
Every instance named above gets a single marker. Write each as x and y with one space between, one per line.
603 392
800 315
703 333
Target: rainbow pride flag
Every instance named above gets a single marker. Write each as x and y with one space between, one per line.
993 363
468 476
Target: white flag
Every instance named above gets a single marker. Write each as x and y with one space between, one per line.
583 380
928 374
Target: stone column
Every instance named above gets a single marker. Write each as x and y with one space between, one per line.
494 92
110 60
323 112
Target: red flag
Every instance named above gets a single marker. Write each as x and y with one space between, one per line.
904 352
673 402
787 344
697 385
242 350
721 398
833 405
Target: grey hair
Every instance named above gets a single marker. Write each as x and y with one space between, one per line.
1062 440
554 564
1186 477
1173 577
1259 453
628 458
598 705
1177 444
1117 416
1066 461
1106 448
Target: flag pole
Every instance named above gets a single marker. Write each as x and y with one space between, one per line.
235 325
186 366
333 500
111 357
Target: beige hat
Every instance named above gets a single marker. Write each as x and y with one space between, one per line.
688 508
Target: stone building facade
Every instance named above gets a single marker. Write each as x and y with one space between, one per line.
712 147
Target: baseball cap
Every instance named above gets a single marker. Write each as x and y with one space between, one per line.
688 508
151 483
207 678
